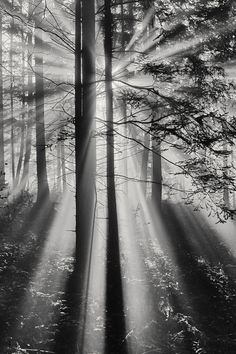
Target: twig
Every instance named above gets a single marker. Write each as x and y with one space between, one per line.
35 351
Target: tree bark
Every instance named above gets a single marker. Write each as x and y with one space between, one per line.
115 321
85 98
43 188
63 165
123 101
156 155
29 124
156 175
2 155
21 153
144 162
58 167
12 101
226 198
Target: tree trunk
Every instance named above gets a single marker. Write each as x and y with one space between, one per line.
21 153
226 188
144 162
85 98
43 188
123 101
147 138
2 159
58 166
12 102
63 165
156 174
28 140
115 321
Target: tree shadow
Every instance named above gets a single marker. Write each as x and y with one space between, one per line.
200 258
67 335
26 245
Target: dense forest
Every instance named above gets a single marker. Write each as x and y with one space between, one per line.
117 176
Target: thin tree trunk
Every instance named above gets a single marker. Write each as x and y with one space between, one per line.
58 167
2 159
28 140
147 138
144 162
43 188
122 25
156 158
233 163
156 174
226 198
123 102
226 188
12 102
21 153
115 321
63 165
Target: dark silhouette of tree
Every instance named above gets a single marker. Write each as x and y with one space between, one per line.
12 96
23 104
63 165
85 98
115 321
30 100
43 188
2 159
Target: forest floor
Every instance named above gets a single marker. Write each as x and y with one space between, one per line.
179 288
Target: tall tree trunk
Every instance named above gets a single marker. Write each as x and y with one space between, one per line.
226 198
226 188
43 188
122 25
233 167
115 321
147 137
28 140
58 167
123 101
12 101
63 165
2 159
85 98
21 153
144 162
156 156
156 174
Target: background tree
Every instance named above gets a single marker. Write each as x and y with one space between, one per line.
30 99
43 188
2 160
115 322
85 104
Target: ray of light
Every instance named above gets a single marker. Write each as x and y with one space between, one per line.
139 32
143 241
169 50
94 328
225 232
61 17
56 255
145 238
